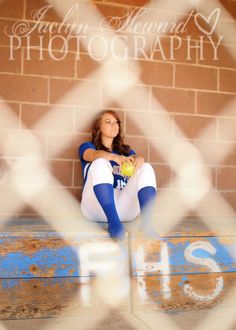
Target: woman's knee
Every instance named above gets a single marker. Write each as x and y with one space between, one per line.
101 163
101 171
147 176
146 167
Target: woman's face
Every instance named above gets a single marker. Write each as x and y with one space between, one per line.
109 126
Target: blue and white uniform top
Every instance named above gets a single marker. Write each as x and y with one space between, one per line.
120 180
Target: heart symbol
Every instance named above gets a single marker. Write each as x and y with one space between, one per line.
208 19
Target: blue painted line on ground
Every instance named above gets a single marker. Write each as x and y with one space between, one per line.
64 261
59 262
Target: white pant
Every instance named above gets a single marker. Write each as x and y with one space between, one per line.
126 200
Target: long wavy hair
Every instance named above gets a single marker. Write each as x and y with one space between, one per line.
118 141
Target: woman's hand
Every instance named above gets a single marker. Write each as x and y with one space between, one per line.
138 162
122 159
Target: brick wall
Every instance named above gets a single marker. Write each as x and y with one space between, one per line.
196 91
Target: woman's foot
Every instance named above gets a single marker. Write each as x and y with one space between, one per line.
116 230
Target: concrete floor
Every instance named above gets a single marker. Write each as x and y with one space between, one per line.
65 311
116 320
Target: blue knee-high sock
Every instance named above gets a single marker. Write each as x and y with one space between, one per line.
105 195
146 197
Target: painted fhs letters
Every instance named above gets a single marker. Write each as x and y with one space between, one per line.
171 262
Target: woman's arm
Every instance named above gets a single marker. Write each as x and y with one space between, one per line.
90 155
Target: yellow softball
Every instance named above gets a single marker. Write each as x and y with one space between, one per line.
127 169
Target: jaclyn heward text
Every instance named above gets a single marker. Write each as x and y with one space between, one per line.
135 38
